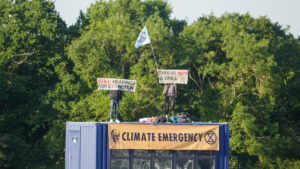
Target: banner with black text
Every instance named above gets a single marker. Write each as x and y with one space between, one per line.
116 84
172 76
163 137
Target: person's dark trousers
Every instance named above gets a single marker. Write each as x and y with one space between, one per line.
114 104
169 101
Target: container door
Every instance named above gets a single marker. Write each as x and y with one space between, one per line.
74 151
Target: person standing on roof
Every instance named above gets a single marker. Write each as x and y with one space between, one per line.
170 92
115 96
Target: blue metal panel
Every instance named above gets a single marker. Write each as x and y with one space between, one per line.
226 140
220 153
105 146
102 148
222 156
88 146
99 155
102 145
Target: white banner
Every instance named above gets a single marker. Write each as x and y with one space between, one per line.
173 76
116 84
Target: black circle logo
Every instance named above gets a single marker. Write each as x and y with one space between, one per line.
115 134
210 137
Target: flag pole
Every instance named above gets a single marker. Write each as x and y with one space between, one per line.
154 56
144 39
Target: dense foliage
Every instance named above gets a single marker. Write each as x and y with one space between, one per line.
32 41
243 70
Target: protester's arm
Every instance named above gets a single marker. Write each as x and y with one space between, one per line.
165 89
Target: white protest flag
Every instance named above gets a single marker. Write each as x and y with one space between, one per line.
143 38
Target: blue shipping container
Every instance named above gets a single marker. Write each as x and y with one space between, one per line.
87 147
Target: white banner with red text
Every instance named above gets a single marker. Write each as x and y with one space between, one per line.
172 76
116 84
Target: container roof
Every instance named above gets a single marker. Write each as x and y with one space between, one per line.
168 123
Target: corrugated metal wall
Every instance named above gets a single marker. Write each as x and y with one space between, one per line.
222 158
88 146
70 126
102 145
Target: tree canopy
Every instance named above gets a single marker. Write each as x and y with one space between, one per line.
242 70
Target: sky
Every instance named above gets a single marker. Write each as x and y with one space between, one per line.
284 12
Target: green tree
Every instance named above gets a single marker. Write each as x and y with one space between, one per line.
106 49
243 70
32 40
74 30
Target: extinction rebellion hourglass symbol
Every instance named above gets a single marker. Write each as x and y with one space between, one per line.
143 37
210 137
115 135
